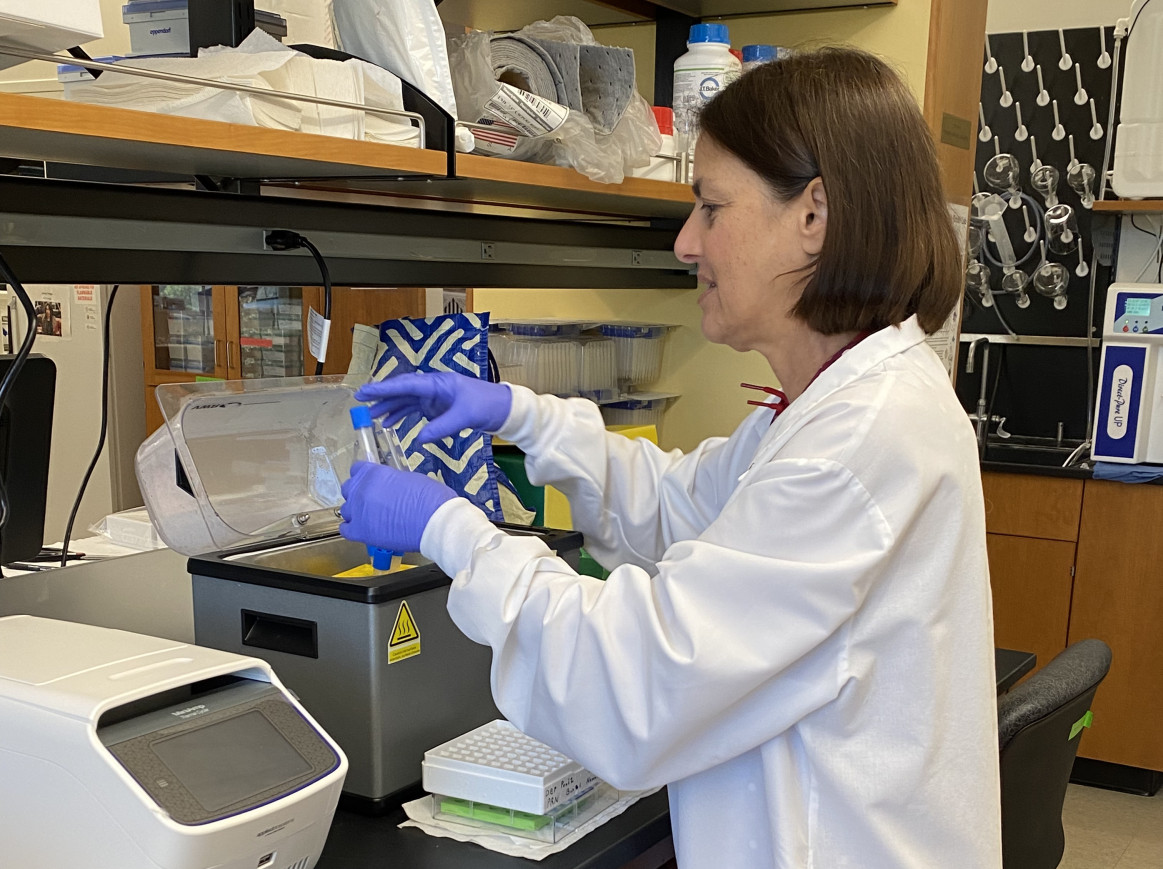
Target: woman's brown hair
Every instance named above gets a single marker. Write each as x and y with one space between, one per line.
845 116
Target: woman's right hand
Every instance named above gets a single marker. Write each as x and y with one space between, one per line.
451 402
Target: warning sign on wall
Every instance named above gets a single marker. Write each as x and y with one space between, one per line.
405 641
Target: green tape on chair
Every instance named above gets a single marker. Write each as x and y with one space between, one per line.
1078 725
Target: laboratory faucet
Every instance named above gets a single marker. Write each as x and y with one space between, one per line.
982 421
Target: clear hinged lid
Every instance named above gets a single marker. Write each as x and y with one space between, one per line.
249 461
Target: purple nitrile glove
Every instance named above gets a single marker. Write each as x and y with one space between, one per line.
388 508
452 402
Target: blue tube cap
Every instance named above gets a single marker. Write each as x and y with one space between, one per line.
361 416
761 53
381 558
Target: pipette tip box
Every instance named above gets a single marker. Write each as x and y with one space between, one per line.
498 765
551 827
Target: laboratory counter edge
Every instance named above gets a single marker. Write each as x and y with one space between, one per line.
638 838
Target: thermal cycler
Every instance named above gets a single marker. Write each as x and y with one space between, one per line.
131 752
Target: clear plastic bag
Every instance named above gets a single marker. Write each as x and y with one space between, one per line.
578 143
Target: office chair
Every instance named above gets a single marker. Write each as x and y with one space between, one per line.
1039 725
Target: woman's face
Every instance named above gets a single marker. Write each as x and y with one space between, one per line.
748 248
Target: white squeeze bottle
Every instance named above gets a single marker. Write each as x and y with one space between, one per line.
707 67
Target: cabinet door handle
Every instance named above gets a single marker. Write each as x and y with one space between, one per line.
229 354
217 355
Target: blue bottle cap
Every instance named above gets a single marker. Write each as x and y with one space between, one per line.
760 53
361 416
709 33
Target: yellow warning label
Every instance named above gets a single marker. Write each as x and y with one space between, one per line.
405 641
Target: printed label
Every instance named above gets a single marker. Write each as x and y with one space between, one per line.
499 138
1122 385
405 641
528 113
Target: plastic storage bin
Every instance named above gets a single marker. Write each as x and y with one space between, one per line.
639 348
641 408
162 26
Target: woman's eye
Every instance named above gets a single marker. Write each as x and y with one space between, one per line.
709 209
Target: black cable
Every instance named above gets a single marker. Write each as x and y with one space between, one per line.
104 428
285 239
17 363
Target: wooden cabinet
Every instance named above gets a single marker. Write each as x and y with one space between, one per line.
1072 559
1032 529
240 332
1118 598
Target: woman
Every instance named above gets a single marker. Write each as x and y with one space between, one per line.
796 634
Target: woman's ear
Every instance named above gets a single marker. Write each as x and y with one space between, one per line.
814 221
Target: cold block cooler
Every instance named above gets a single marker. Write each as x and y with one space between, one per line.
245 479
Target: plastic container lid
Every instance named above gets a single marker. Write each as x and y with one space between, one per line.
264 459
759 53
627 330
716 33
664 115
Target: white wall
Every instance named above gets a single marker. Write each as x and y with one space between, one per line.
1008 16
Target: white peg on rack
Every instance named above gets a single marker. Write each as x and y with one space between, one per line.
1059 131
1028 60
976 186
1095 126
1080 96
1104 59
1082 269
996 147
1036 164
1066 62
1043 94
990 63
984 133
1031 234
1073 160
1021 133
1007 99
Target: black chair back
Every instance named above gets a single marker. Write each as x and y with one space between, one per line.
1040 724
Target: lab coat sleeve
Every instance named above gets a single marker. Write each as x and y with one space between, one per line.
630 498
645 681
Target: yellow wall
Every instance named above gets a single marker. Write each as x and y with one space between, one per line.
706 375
898 33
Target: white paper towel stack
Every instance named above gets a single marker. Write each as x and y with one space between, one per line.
262 61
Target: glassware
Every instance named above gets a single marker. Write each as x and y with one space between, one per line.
1081 181
1015 282
1044 179
1061 228
977 279
1003 173
1051 280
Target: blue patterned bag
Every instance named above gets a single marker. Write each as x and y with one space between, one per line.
450 342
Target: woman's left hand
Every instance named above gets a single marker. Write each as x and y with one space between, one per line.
388 508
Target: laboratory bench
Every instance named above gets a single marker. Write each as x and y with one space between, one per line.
639 838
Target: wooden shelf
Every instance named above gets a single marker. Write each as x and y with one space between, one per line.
54 130
42 128
515 14
1116 206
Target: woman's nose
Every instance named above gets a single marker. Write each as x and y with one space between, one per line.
686 246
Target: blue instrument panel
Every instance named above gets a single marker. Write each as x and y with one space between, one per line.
1138 314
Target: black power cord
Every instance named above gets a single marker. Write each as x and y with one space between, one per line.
104 426
17 364
285 239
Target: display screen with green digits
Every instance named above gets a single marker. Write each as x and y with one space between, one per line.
1138 307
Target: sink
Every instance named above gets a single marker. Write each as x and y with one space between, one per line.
1027 454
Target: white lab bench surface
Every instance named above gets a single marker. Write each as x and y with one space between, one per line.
145 592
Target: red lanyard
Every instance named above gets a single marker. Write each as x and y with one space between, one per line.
781 400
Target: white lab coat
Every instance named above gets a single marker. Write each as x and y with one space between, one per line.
797 637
